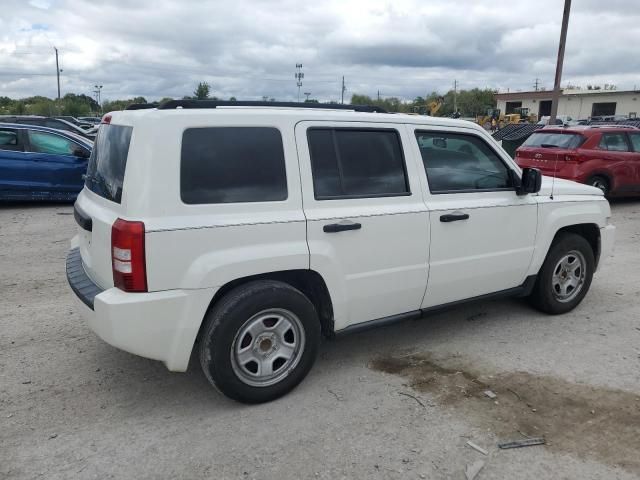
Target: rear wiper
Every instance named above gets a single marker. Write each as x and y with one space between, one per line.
549 145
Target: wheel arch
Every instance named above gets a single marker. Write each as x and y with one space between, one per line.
309 282
589 231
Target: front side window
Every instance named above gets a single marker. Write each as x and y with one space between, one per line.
41 142
356 163
232 164
614 142
461 163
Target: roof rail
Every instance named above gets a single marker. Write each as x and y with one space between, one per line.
620 125
141 106
172 104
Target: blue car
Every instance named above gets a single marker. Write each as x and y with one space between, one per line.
40 163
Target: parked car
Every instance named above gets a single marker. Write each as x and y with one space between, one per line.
49 122
607 156
91 120
246 230
77 122
39 163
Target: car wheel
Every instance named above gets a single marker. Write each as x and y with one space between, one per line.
259 341
565 276
599 182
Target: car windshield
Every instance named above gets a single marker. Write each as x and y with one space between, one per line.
560 140
105 173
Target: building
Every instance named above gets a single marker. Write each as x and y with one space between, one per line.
577 104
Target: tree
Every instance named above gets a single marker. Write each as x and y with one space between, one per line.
233 99
202 91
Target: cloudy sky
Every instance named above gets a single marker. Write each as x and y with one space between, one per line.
249 48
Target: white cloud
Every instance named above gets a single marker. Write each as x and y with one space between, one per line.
249 48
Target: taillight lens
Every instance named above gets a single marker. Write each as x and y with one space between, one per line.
127 256
106 119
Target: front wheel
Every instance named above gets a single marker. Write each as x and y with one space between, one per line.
565 276
259 341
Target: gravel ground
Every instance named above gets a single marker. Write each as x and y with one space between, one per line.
398 402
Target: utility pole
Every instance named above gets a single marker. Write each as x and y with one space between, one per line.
343 90
98 92
556 83
299 76
57 71
378 95
536 84
455 96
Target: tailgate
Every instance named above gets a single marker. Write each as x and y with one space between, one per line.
94 220
547 160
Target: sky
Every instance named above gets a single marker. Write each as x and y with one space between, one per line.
250 48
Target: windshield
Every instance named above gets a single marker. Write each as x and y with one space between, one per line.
105 173
560 140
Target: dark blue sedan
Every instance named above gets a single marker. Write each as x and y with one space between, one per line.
40 163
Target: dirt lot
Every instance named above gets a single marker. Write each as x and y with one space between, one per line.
399 402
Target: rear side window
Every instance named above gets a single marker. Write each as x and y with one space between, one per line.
356 163
614 142
232 164
558 140
635 141
105 173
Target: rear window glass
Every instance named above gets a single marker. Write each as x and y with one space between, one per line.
231 165
105 173
558 140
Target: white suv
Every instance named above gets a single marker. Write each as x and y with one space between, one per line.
247 231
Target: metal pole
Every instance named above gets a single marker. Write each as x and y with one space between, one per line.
57 71
556 85
455 96
343 89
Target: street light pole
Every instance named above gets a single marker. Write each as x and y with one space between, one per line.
57 71
97 91
556 85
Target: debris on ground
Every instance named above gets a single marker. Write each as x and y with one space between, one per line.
473 469
414 397
527 442
477 448
490 394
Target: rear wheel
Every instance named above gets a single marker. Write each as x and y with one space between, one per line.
600 182
565 276
259 341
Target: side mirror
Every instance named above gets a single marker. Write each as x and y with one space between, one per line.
531 181
81 152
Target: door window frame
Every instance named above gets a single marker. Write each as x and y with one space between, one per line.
333 129
439 130
27 143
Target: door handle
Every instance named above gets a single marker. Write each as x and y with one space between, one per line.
453 217
341 227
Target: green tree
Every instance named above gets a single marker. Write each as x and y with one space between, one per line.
202 91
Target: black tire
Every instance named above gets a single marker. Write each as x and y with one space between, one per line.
545 296
600 182
227 320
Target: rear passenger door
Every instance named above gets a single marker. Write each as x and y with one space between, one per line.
482 233
367 224
619 158
14 165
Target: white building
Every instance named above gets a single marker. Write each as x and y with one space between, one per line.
577 104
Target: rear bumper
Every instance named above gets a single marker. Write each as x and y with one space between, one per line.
607 239
158 325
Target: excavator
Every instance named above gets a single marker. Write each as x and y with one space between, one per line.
434 106
522 115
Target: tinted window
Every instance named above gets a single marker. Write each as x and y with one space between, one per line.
8 138
458 162
105 173
53 123
232 164
614 141
560 140
356 163
41 142
635 141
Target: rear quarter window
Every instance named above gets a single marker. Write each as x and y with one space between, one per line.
232 165
108 161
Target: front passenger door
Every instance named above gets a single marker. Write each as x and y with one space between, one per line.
482 232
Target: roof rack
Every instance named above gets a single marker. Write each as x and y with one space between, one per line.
141 106
621 125
172 104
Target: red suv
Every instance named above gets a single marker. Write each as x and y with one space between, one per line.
607 157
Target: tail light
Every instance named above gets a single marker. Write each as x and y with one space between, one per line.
106 119
127 256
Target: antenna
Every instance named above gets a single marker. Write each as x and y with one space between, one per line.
553 181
